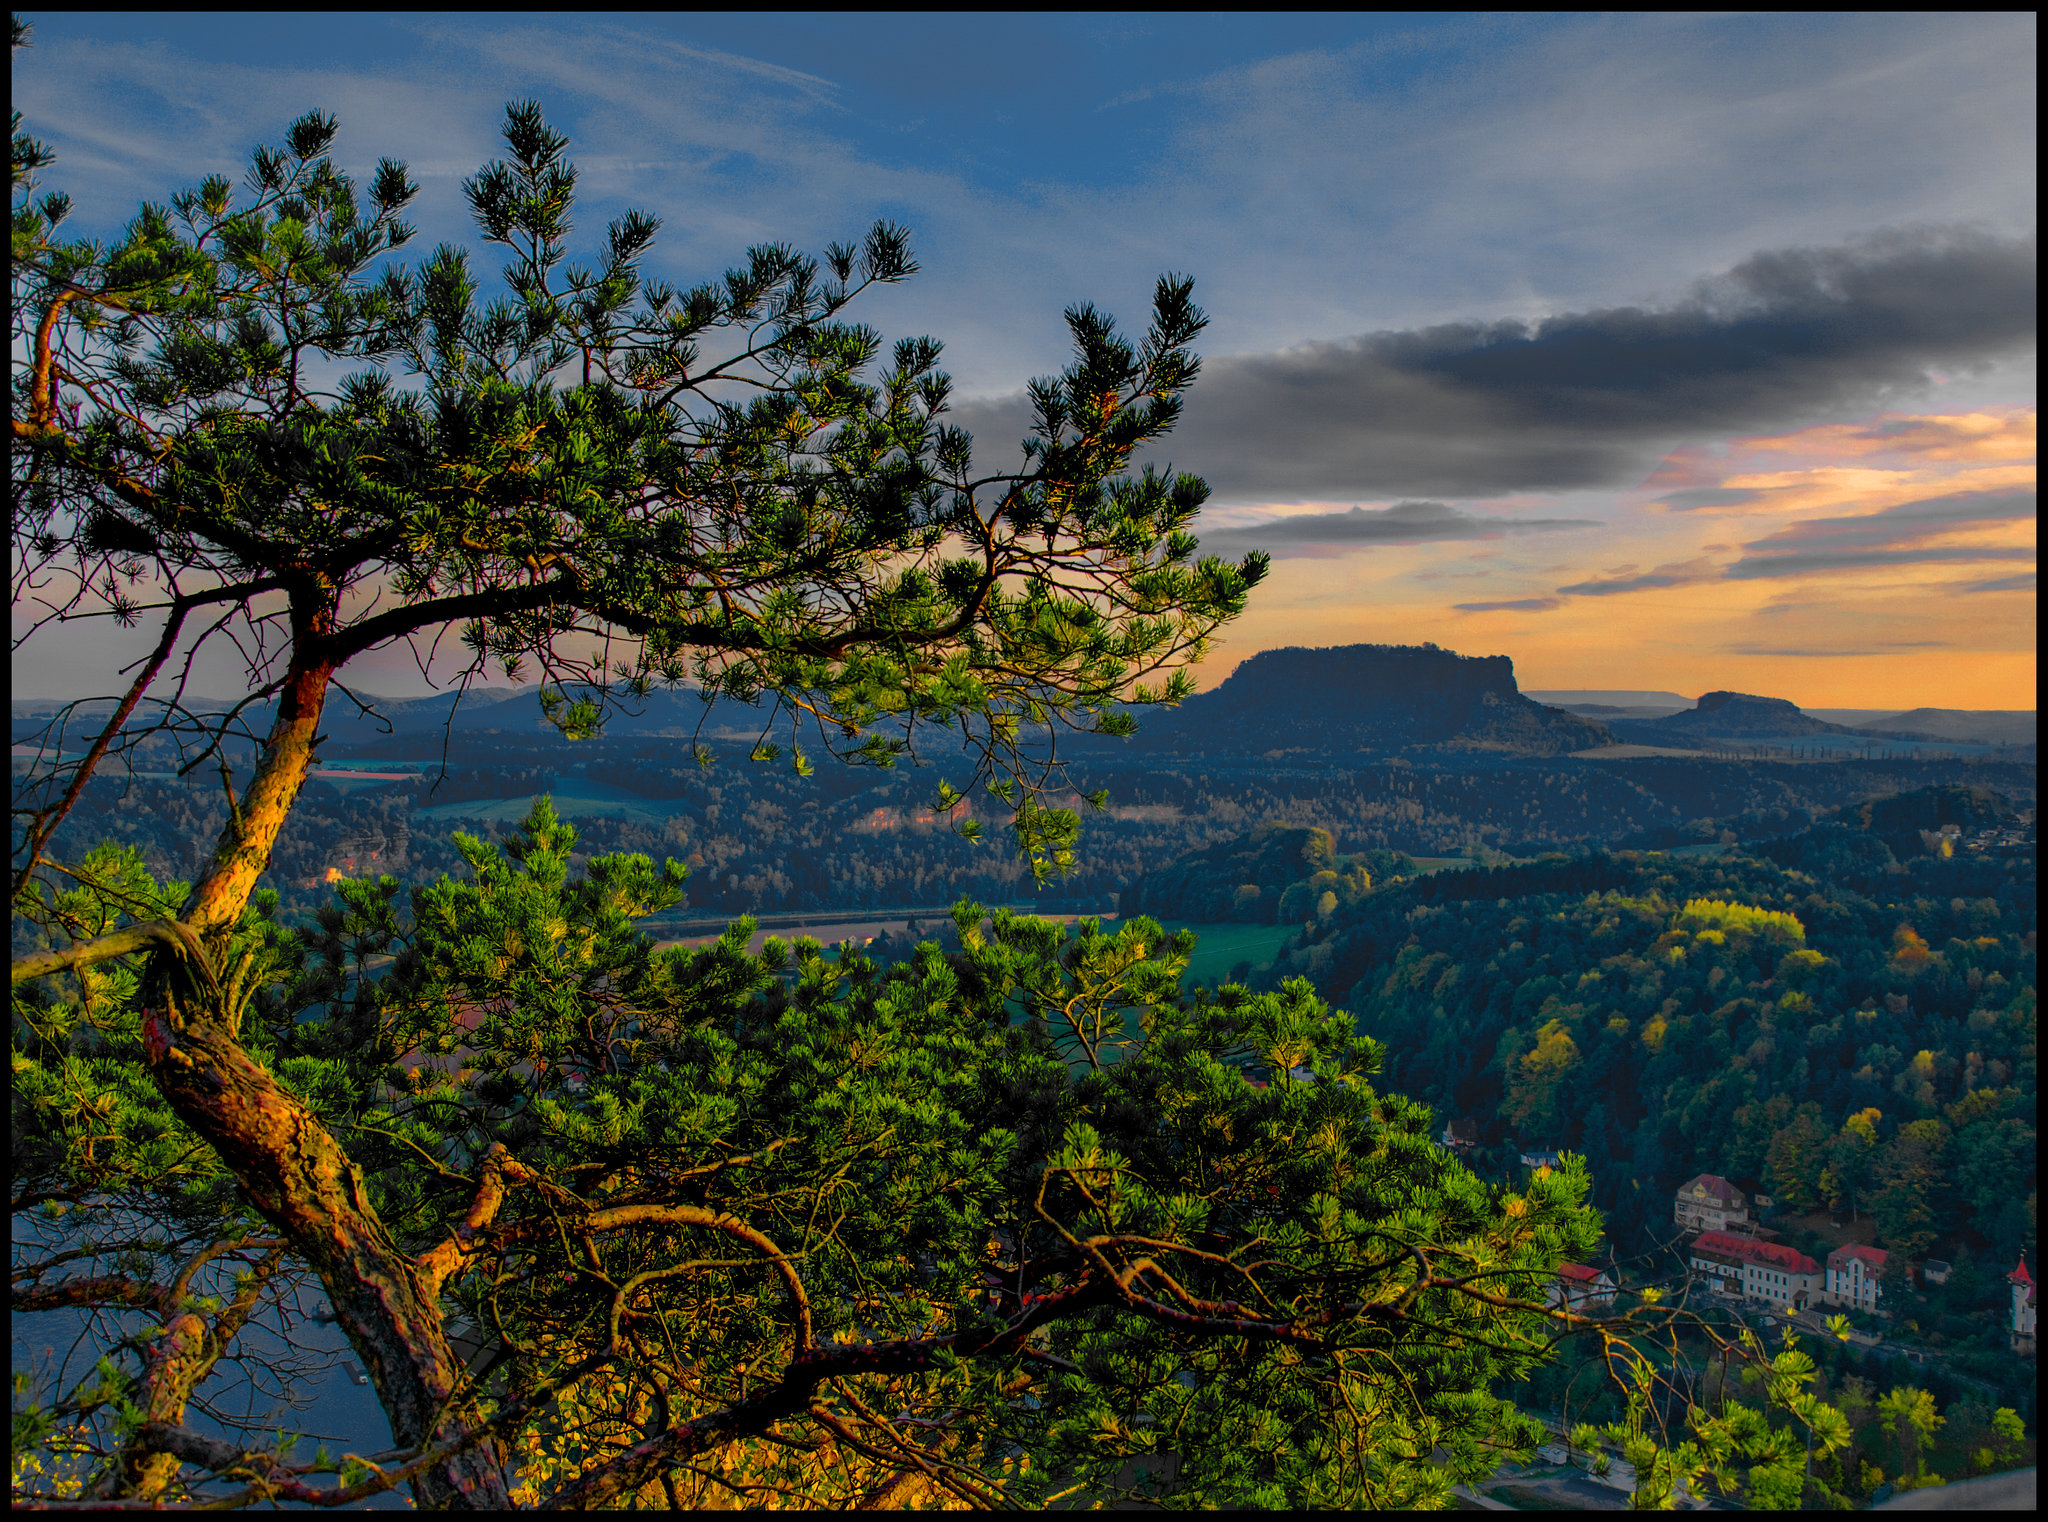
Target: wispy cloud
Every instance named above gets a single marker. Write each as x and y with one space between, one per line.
1837 652
1815 561
2026 582
1676 575
1892 537
1512 605
1694 498
1972 436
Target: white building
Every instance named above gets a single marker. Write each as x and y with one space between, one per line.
1709 1203
1766 1272
1852 1277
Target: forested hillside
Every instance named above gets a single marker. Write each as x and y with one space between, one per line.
1850 1031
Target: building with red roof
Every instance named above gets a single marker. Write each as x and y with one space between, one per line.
1709 1203
1578 1286
1461 1135
1852 1277
1751 1269
2024 1294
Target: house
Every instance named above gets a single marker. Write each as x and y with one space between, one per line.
1709 1203
1578 1287
1766 1272
1461 1135
1541 1158
1717 1263
2024 1295
1934 1271
1852 1277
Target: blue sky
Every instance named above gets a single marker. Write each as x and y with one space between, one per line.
1635 348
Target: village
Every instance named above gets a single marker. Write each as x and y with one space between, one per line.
1734 1256
1735 1260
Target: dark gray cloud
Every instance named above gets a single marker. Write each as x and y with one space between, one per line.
1362 527
1587 399
1513 605
1892 537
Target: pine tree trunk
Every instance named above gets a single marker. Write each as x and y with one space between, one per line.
297 1175
294 1171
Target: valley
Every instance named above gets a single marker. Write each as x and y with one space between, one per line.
1506 894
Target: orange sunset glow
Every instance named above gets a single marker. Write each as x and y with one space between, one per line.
1933 609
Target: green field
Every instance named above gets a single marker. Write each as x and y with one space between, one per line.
1218 948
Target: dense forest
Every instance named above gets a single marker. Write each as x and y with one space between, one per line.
1839 1012
1857 1032
1853 1032
1833 1001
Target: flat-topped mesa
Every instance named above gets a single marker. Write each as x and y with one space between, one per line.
1735 715
1350 698
1351 676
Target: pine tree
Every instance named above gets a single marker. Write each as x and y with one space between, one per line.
570 461
971 1230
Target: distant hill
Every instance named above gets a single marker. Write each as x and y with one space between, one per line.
1739 716
1345 700
660 714
1611 713
350 732
1855 718
1340 701
1368 698
1988 726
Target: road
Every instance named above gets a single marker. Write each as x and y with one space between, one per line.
1994 1492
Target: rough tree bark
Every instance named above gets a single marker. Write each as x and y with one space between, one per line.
184 1355
294 1170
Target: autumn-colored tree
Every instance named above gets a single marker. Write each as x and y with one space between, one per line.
1537 1080
1849 1156
1913 1421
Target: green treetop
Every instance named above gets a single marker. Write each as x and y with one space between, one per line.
727 1226
241 416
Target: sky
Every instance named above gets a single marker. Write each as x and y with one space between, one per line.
1657 352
